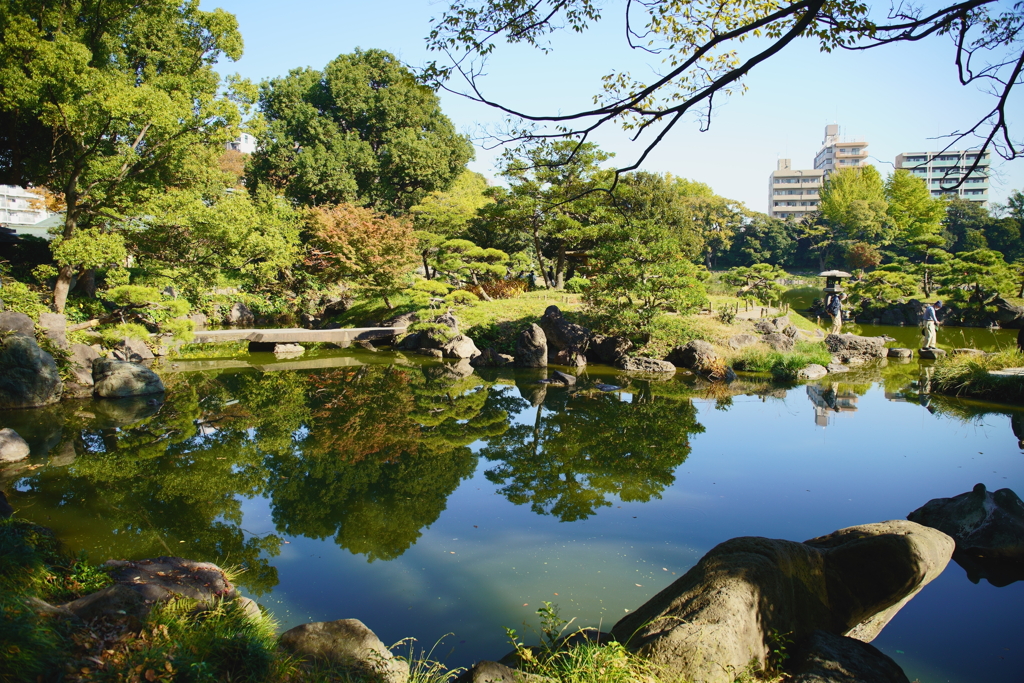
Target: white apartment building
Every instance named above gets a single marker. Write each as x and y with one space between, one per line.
942 170
16 207
837 153
246 144
793 193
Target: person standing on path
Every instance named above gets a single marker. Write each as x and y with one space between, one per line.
931 322
835 311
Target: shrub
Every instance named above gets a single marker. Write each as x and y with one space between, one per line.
179 329
118 333
461 297
18 297
782 365
576 285
501 289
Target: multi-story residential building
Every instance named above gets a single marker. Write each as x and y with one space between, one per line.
793 193
18 206
942 170
836 153
246 144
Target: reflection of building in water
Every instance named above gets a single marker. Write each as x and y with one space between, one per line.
828 399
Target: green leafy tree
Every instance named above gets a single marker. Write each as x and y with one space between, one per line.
374 251
195 240
106 103
853 204
884 286
965 224
758 281
554 199
361 131
763 239
642 265
446 215
975 277
913 212
464 262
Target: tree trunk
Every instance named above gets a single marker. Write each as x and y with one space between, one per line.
387 302
540 257
426 267
87 282
560 269
61 289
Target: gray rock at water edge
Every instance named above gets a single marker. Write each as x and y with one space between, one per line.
19 323
828 658
986 523
12 447
562 334
495 672
568 358
460 346
532 348
1010 317
646 366
849 348
779 341
432 353
489 358
967 352
791 331
133 351
931 354
449 321
199 320
410 342
28 375
55 327
899 353
140 584
448 371
836 368
119 379
289 350
239 314
347 643
812 372
364 345
563 378
696 355
607 350
6 511
710 623
740 341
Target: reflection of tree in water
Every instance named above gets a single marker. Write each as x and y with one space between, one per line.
139 487
584 447
385 448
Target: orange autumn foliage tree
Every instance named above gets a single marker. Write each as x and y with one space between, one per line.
373 251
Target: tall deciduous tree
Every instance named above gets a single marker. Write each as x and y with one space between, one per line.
106 102
361 131
853 204
374 251
913 212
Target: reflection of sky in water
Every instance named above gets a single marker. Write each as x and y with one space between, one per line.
762 467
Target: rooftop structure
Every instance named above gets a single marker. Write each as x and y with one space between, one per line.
942 170
837 153
793 193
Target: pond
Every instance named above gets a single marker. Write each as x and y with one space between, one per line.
433 503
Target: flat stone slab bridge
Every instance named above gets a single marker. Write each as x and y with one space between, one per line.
341 337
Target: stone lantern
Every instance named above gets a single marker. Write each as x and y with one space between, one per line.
834 280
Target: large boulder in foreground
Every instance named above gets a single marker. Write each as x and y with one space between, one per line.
346 643
118 379
986 523
566 336
12 447
607 350
460 346
532 348
851 348
28 375
828 658
720 615
634 365
19 323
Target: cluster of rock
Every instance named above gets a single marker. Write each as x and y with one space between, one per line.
440 339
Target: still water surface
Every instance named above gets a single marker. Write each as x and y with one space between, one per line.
427 502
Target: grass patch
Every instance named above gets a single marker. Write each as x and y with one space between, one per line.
782 365
670 331
968 375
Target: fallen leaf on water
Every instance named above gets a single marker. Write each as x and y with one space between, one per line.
638 585
526 604
453 552
556 593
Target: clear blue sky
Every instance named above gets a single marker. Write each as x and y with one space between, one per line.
896 98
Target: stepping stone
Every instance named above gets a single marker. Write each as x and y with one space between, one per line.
1007 372
900 353
967 352
931 354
